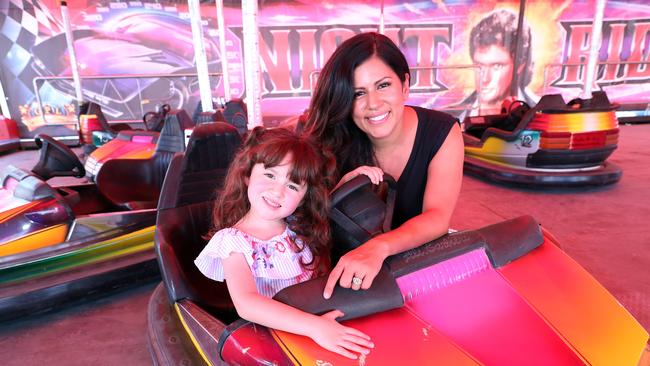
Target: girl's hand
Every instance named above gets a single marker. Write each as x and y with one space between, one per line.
375 174
346 341
358 267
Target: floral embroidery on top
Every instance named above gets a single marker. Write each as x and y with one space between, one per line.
262 253
276 263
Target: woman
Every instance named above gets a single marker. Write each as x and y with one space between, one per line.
358 113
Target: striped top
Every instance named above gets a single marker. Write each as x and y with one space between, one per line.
273 262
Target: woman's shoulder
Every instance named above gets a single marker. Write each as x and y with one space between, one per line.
432 115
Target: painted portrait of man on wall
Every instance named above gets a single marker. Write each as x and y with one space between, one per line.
503 70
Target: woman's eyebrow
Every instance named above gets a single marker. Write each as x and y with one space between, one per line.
375 83
382 80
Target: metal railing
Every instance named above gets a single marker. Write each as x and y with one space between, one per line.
123 101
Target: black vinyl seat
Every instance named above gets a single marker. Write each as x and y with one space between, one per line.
507 121
185 214
520 117
524 115
136 183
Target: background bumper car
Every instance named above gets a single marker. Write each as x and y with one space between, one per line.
553 144
60 244
165 130
503 294
9 137
166 134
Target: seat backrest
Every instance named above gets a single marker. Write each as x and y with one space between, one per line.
133 183
199 109
236 113
205 117
359 211
172 135
599 102
94 108
136 183
185 215
518 119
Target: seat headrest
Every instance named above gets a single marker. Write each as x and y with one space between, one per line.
551 102
211 148
96 109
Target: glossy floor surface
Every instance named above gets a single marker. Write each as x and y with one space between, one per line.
605 229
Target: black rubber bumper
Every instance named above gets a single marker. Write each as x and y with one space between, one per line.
607 173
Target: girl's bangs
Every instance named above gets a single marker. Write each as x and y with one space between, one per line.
304 164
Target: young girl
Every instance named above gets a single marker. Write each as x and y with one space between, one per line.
271 231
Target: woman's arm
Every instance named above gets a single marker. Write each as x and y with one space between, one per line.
252 306
444 177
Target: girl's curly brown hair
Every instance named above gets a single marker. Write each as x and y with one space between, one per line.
309 165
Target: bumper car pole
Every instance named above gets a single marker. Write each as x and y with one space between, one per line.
69 40
221 24
199 56
596 37
252 72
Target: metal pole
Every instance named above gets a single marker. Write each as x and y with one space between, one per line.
596 38
65 16
381 18
252 72
3 102
199 56
514 84
225 80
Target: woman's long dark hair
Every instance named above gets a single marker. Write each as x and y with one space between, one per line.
330 113
309 166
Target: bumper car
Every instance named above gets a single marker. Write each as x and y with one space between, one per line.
505 294
95 130
9 137
554 144
167 128
163 134
60 244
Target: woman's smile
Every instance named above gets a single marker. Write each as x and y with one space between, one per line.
378 119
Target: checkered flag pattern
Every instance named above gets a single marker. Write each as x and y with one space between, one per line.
23 23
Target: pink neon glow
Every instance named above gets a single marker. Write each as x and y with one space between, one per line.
442 274
140 139
469 302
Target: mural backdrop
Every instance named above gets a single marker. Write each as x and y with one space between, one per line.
134 56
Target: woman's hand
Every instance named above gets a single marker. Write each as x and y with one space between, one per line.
375 174
358 267
346 341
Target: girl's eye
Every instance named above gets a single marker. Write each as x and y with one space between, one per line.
268 175
383 85
294 187
358 94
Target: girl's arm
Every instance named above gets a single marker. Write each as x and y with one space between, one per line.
444 177
252 306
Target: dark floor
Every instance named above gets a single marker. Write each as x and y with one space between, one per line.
603 229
